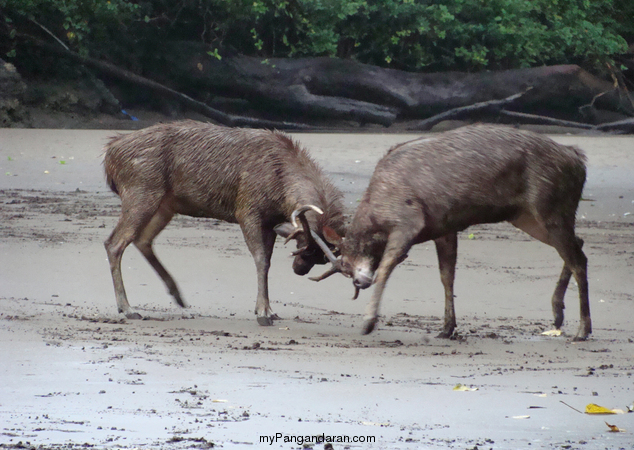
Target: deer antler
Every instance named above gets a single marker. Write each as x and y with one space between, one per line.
311 236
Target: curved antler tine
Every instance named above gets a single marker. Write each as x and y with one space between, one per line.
312 237
333 270
324 248
301 210
293 235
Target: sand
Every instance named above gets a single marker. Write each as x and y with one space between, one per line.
77 374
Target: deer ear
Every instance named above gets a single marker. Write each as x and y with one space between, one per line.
284 229
332 237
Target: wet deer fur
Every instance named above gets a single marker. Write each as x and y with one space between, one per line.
255 178
433 187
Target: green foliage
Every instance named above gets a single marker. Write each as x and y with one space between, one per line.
80 24
404 34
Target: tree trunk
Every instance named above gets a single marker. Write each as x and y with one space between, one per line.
326 90
330 88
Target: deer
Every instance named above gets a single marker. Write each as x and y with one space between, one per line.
435 186
262 180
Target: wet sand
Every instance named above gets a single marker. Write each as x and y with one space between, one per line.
74 372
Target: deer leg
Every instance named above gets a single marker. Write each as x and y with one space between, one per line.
398 245
260 241
560 292
134 218
447 251
144 243
569 247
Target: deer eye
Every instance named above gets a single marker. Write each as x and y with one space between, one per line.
308 253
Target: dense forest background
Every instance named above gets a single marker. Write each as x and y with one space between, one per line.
153 38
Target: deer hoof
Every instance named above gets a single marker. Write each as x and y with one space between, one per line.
368 325
133 315
584 333
580 337
265 321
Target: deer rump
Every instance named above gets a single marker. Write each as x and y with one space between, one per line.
256 178
431 188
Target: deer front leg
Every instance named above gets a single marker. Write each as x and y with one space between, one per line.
398 245
260 241
447 251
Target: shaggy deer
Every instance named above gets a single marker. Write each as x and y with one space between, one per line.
433 187
258 179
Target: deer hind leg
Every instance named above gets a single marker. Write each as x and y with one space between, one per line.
135 215
144 243
569 247
447 251
562 237
260 241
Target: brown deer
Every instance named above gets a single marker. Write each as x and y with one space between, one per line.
433 187
256 178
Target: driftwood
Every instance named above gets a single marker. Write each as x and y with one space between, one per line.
187 101
329 90
543 120
457 113
621 126
336 89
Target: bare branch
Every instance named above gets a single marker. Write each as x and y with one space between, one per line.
50 33
546 120
426 124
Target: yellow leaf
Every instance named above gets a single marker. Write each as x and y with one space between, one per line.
591 408
552 333
462 387
614 428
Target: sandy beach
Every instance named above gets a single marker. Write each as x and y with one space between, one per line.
76 374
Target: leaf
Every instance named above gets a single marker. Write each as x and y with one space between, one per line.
552 333
591 408
614 428
463 388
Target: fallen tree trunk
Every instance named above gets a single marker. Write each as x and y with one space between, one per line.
195 105
329 90
339 89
